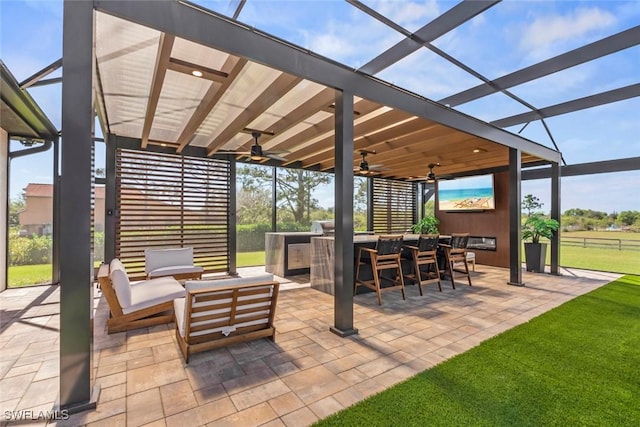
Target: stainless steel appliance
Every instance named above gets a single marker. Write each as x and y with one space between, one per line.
326 228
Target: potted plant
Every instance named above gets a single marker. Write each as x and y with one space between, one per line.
427 225
535 227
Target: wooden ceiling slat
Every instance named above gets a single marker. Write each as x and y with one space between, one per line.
373 125
414 131
304 111
159 73
283 84
232 67
302 139
418 145
186 67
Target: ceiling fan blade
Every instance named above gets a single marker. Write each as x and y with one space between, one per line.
274 156
234 153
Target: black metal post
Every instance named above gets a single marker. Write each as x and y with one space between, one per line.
55 236
75 208
233 237
343 269
369 204
515 231
555 214
274 200
110 198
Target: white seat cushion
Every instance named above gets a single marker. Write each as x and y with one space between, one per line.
120 282
154 291
159 258
178 269
179 309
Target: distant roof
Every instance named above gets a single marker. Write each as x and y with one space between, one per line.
20 116
46 190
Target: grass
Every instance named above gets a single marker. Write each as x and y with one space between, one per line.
249 259
574 365
625 261
26 275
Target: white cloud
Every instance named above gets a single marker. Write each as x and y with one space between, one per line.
411 15
545 31
331 45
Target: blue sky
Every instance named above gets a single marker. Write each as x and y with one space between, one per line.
505 38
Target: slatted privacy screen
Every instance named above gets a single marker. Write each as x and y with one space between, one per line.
169 201
394 206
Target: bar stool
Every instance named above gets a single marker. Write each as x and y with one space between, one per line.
456 253
385 256
424 254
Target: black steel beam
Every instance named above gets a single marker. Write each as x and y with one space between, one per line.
76 271
600 48
110 198
210 29
35 78
604 166
515 231
343 249
370 204
598 99
232 238
555 214
55 235
457 15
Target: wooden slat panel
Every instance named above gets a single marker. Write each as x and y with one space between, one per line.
394 204
169 201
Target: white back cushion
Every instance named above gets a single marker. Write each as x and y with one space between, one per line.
158 258
120 282
193 285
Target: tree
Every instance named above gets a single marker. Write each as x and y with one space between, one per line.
627 218
294 188
360 195
254 206
15 207
531 204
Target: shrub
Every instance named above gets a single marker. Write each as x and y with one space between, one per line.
251 237
29 250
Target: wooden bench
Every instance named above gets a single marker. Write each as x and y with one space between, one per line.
137 305
216 313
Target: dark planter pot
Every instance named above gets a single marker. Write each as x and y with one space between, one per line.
535 255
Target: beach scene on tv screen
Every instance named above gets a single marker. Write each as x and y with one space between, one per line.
472 193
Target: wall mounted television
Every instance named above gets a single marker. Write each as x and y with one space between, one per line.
473 193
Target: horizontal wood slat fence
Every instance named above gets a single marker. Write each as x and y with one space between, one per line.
169 201
394 206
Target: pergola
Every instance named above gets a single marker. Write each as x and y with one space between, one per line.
133 63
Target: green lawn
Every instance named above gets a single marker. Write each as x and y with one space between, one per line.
249 259
575 365
25 275
626 261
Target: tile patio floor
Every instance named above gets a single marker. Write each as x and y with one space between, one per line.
306 375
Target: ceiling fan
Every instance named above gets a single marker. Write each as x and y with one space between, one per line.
365 169
431 176
257 153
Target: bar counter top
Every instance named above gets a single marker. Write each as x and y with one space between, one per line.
372 238
322 257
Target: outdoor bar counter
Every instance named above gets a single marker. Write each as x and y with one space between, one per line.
288 253
322 259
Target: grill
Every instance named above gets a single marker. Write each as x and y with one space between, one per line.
326 228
